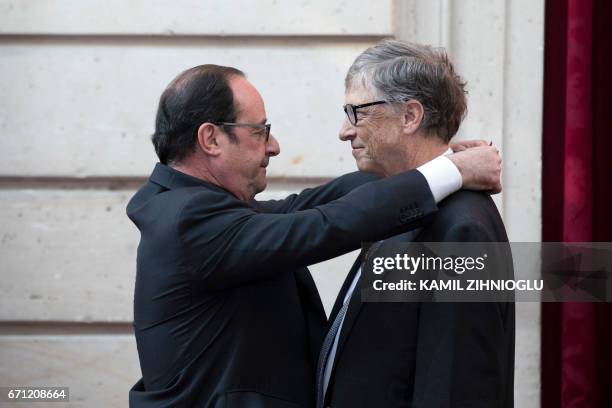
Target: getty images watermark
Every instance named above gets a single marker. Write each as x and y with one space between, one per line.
487 272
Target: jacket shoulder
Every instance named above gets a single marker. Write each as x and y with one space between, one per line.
468 216
152 201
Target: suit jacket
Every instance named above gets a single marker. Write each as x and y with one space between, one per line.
428 354
225 312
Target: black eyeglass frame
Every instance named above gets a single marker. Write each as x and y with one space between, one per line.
266 126
351 109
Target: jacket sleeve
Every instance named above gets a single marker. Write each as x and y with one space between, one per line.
464 349
311 197
226 242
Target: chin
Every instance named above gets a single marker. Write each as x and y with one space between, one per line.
261 186
370 167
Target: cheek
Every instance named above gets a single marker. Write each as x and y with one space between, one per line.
386 140
370 136
375 144
250 159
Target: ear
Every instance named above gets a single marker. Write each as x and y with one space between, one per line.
413 116
208 139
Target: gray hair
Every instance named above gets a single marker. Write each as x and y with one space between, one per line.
398 71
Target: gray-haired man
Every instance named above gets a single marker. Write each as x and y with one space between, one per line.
404 103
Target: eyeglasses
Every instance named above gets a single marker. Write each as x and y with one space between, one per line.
265 128
351 110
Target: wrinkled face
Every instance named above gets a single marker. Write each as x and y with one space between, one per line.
374 140
245 162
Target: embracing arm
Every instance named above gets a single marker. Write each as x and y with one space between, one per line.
311 197
227 243
474 166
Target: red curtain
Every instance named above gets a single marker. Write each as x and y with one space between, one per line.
577 173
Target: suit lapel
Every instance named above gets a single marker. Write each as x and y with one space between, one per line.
354 308
356 304
345 286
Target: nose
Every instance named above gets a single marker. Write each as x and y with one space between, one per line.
347 131
272 147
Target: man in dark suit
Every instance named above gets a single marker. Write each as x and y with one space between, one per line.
415 354
225 312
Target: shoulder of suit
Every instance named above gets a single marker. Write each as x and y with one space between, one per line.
202 197
466 198
179 198
467 206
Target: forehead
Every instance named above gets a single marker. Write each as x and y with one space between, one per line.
357 93
249 103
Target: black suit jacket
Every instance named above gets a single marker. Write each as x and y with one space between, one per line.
225 312
428 354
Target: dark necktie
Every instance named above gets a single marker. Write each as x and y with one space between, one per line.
328 342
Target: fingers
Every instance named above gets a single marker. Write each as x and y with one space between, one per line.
457 147
480 168
477 143
468 144
496 186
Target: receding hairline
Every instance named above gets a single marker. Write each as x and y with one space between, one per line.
231 81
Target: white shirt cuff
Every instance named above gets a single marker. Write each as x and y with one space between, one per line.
442 176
